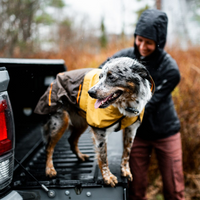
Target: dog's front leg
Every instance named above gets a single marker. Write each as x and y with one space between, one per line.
128 138
100 141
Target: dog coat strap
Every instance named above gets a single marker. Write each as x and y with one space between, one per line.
120 124
140 117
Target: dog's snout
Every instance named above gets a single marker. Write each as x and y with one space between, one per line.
92 93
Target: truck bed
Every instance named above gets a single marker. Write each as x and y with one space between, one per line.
70 171
73 176
67 165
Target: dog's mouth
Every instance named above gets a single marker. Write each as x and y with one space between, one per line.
103 103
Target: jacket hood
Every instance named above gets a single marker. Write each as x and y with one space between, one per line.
152 24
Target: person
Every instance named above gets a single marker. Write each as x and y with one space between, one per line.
160 127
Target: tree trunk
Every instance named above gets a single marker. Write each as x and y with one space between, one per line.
159 4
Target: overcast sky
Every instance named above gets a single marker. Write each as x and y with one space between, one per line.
115 12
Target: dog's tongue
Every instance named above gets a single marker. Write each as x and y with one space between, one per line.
99 101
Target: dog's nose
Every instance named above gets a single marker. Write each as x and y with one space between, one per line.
92 93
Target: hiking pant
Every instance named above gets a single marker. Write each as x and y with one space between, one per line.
169 155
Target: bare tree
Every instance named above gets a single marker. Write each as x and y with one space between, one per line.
16 19
19 22
159 4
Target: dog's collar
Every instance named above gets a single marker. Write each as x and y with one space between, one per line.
132 110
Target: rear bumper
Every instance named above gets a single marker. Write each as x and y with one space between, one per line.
105 193
14 195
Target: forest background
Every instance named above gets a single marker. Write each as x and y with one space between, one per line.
43 29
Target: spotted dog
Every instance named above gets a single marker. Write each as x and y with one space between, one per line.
107 100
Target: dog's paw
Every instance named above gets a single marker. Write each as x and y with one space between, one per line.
50 172
125 172
83 157
110 180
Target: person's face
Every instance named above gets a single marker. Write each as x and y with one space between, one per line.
145 46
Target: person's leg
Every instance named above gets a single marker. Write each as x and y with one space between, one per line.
139 163
169 155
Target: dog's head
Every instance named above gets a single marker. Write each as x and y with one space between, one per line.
120 83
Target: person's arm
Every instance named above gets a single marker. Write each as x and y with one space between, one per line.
122 53
170 80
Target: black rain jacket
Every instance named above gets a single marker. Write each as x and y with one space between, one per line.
160 118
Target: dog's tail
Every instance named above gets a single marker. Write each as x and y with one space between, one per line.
46 132
55 124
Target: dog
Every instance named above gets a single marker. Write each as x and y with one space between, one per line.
107 99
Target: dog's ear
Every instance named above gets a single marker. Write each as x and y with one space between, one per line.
140 69
144 73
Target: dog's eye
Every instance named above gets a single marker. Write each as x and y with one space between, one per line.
111 76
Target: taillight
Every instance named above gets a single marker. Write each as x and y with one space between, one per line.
6 141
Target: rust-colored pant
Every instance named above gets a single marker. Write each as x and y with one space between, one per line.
169 155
